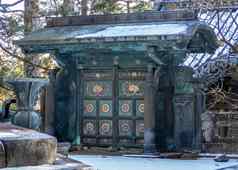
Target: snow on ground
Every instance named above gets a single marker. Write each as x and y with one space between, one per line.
129 163
45 167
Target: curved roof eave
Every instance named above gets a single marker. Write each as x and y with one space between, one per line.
145 32
209 36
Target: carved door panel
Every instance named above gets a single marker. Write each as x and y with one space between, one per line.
113 108
131 108
97 113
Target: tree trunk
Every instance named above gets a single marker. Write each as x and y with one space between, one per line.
31 12
68 7
128 6
84 7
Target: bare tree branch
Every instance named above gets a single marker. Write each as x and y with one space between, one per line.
22 59
12 4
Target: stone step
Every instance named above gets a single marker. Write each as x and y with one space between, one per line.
25 147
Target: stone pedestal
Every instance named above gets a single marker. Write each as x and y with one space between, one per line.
24 147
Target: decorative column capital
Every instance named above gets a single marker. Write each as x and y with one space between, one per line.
156 77
152 54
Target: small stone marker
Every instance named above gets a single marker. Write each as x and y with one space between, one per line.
221 158
63 148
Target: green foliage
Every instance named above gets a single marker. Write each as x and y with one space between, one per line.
106 6
12 69
62 11
142 6
117 6
47 61
15 24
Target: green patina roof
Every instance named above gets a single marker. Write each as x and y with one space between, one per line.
125 37
121 33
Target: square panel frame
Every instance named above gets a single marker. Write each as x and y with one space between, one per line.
115 98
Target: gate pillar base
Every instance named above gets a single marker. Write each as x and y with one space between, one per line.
149 141
77 141
150 149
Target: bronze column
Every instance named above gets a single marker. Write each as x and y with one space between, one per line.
149 116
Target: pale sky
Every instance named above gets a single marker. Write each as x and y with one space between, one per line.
17 7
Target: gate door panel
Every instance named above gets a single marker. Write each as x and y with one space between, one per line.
97 108
113 108
131 108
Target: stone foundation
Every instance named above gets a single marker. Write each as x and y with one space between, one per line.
24 147
220 132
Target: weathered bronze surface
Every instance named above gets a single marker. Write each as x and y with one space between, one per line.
27 91
98 54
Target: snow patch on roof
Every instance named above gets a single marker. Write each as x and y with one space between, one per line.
7 135
138 30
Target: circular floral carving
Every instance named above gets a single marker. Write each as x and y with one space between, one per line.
141 127
97 89
89 108
90 128
132 88
125 108
105 108
141 108
105 128
125 128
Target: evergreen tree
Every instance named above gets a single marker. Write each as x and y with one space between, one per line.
68 7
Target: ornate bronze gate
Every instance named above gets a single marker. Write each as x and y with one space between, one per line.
113 108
